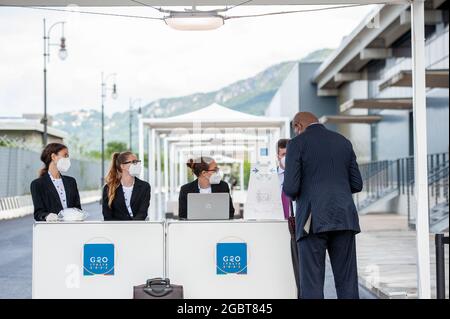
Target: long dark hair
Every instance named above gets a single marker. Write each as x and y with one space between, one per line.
46 155
199 165
115 174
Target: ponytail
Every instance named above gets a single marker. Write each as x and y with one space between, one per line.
115 174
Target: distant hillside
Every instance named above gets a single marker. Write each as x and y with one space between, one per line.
251 95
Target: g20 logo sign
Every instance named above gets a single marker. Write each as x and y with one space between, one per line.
98 259
231 258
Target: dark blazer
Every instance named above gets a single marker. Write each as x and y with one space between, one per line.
193 188
46 199
140 201
321 175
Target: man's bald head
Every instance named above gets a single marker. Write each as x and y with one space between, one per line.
302 120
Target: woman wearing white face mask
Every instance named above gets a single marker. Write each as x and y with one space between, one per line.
52 191
208 180
125 197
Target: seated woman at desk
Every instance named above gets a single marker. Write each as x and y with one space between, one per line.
125 197
52 192
208 181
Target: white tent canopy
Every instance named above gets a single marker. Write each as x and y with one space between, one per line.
188 3
214 129
419 101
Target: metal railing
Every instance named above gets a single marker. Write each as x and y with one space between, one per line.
382 178
438 190
379 179
440 241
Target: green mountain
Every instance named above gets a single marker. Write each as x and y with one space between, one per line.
251 95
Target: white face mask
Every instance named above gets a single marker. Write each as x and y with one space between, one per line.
63 164
215 178
283 162
135 169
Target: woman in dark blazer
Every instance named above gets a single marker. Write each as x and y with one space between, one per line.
208 181
125 197
52 191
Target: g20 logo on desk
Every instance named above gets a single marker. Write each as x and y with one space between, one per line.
231 258
98 259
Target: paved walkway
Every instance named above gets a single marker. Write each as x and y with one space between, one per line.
387 257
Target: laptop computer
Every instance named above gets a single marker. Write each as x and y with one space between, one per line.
214 206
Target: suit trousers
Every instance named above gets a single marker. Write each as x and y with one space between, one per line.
341 248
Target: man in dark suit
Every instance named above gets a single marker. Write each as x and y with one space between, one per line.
321 175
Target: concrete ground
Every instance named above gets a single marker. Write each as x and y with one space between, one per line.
386 251
16 258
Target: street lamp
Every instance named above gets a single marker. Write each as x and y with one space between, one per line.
132 102
104 90
62 55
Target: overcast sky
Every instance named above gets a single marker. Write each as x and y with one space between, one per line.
151 60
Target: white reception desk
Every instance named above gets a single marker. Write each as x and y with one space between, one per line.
211 259
231 259
95 259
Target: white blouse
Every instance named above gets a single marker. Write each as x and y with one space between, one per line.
204 190
59 185
127 192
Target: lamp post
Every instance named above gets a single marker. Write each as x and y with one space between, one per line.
132 102
104 90
62 55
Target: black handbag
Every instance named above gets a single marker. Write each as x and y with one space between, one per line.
158 288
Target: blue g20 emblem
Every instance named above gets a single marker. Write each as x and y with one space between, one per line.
98 259
231 258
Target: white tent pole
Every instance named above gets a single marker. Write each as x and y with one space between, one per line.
241 173
287 129
151 171
172 171
166 172
158 176
179 168
420 148
141 144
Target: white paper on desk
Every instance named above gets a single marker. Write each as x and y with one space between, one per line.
264 194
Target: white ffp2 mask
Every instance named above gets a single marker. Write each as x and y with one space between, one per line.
135 169
63 164
215 178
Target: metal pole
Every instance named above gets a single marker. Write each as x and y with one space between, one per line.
103 131
420 148
141 143
131 118
44 119
440 266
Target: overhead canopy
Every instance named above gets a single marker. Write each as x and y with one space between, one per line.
434 79
382 104
350 119
100 3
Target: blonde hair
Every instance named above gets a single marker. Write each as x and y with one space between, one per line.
115 173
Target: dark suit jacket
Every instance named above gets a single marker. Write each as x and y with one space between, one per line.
193 188
46 199
321 175
140 201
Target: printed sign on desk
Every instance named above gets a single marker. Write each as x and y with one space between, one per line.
264 194
231 258
98 259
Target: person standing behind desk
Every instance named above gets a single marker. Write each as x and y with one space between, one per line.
322 174
53 192
125 197
208 181
281 155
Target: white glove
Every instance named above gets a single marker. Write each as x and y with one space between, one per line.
51 218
